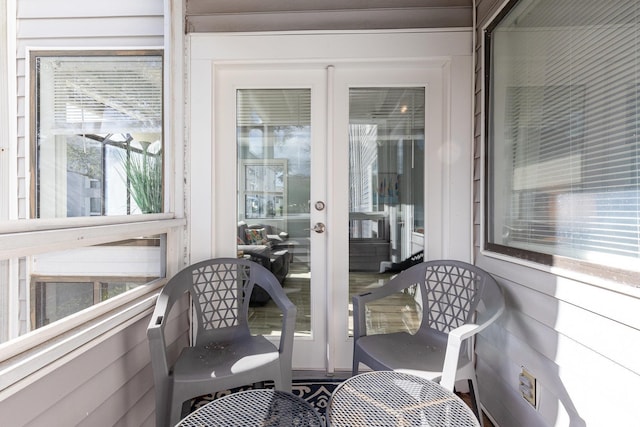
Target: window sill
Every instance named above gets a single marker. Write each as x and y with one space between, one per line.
28 237
609 283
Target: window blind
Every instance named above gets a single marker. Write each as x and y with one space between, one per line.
273 107
100 94
564 130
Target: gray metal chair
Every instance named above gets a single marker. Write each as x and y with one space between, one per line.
225 354
457 299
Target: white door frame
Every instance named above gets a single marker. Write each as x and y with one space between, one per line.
448 56
308 351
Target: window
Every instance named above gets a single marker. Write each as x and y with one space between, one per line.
52 285
65 282
55 298
563 134
96 126
98 134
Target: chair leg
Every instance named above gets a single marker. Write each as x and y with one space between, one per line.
162 412
356 365
175 414
283 379
475 400
287 381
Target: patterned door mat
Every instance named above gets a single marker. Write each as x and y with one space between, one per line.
316 392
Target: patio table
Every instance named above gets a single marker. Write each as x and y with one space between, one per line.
261 407
389 398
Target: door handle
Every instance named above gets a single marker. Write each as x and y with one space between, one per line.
319 227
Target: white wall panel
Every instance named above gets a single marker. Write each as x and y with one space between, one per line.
580 347
598 333
507 408
102 384
73 390
91 28
85 9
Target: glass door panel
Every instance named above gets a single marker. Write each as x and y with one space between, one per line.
269 175
273 131
386 195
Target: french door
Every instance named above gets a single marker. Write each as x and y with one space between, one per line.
331 173
329 167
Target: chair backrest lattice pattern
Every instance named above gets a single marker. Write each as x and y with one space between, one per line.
450 296
218 292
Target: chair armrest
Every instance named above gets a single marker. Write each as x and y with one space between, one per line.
359 313
258 250
155 335
289 313
274 238
381 292
493 306
452 354
465 331
260 254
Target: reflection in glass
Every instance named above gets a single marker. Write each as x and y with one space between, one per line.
63 283
264 186
274 165
386 199
51 300
98 135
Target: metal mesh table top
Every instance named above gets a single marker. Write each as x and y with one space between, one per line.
388 398
263 407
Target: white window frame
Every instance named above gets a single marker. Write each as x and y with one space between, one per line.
40 348
8 167
46 175
24 358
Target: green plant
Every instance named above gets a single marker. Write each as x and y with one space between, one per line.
143 174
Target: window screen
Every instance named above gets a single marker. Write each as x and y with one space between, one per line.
563 132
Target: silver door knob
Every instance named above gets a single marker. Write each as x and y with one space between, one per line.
319 227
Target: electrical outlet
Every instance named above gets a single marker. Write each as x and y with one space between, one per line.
527 386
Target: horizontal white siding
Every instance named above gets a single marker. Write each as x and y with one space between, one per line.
102 385
47 9
579 340
583 360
